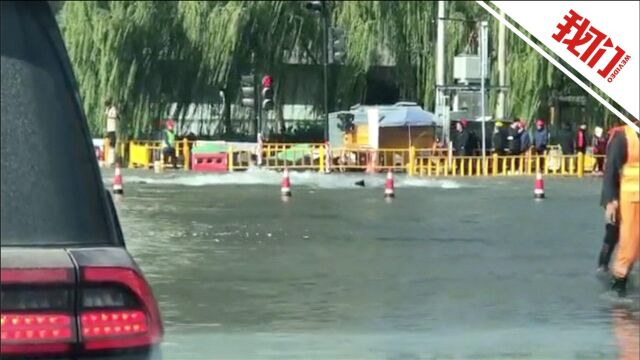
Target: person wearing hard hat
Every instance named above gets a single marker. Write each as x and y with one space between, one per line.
540 142
515 145
540 137
621 194
464 142
169 142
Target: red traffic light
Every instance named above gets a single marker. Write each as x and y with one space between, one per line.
267 80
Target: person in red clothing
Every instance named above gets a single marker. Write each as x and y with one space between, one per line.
581 139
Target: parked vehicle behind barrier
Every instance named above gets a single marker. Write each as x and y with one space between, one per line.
69 287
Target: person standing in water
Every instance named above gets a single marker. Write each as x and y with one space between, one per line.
169 143
111 127
621 194
612 230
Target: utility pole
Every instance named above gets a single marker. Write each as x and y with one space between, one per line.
484 31
250 94
257 111
322 8
325 67
502 74
440 70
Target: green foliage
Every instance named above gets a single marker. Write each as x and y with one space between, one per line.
147 54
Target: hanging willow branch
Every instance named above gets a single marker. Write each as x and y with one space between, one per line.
148 54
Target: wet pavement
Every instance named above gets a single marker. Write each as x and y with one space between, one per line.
451 269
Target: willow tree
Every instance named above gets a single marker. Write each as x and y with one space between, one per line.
122 51
147 54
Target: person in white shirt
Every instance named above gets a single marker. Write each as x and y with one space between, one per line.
111 127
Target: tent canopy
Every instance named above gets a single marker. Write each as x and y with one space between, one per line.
406 116
399 115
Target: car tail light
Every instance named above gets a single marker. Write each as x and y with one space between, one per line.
37 314
117 310
35 327
99 324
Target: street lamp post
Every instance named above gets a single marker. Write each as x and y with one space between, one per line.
484 31
325 68
321 7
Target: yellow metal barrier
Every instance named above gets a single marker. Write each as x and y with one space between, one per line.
186 154
322 158
141 153
423 162
230 159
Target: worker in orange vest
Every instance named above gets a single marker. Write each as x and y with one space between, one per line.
612 230
621 194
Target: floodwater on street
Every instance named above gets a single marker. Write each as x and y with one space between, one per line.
450 269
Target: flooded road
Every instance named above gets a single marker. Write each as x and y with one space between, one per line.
448 270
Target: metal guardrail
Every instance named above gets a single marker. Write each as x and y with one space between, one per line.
422 162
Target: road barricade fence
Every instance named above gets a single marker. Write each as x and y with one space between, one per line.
319 157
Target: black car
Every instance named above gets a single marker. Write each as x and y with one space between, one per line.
69 287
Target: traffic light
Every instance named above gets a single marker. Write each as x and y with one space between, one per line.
346 122
338 45
247 87
267 93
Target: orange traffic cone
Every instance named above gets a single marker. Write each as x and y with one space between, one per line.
389 191
538 189
285 189
117 181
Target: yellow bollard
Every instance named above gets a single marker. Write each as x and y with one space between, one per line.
230 158
513 164
121 152
580 165
546 164
504 165
185 154
446 167
538 164
322 157
131 147
412 160
494 165
454 166
529 164
107 151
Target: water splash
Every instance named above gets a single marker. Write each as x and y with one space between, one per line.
310 179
